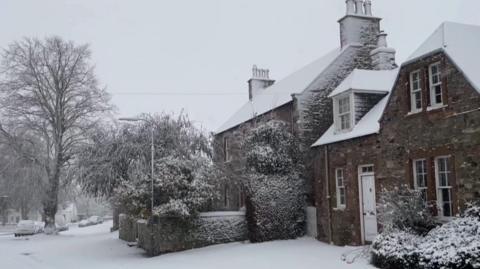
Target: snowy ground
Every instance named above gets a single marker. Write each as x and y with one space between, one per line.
95 247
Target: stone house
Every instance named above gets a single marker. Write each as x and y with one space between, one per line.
13 216
288 99
424 132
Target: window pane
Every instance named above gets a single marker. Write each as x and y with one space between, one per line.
418 100
438 94
442 166
446 202
443 180
345 121
339 173
424 196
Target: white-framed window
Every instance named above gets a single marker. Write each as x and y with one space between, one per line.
435 78
444 186
344 113
226 154
367 169
340 186
415 91
420 177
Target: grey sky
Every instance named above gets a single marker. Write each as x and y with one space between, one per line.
208 46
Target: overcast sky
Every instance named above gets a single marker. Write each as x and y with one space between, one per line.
161 55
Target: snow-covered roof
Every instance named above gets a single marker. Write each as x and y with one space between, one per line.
461 42
367 80
281 92
368 124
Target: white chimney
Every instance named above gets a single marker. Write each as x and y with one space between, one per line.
383 57
259 81
359 7
382 40
368 7
350 7
353 24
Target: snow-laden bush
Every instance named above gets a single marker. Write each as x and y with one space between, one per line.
454 245
396 249
473 210
181 188
275 208
275 191
403 209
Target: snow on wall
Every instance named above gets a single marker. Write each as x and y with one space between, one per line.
173 234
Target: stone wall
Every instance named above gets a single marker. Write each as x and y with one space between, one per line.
453 130
232 197
342 225
172 234
127 228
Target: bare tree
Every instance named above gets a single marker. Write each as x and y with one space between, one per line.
49 88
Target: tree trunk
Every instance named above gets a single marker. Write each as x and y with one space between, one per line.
24 210
50 204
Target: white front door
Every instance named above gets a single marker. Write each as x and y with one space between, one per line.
368 209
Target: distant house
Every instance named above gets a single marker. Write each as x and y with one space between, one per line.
67 213
14 216
417 126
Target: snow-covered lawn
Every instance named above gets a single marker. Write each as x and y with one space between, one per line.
95 247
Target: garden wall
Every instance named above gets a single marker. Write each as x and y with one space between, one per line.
173 234
128 228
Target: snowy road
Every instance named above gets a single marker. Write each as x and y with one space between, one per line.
95 247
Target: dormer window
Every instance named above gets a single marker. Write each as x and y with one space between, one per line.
415 91
436 98
344 113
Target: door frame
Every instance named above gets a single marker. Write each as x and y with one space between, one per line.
360 196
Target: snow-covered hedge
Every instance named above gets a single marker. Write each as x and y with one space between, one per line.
275 190
171 234
275 208
454 245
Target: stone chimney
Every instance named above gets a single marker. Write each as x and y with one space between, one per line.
358 26
259 81
383 57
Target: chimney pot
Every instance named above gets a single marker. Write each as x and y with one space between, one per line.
382 40
368 7
359 7
350 7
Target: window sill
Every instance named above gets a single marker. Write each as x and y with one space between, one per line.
444 219
435 107
414 112
339 208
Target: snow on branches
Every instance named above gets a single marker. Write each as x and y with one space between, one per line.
404 209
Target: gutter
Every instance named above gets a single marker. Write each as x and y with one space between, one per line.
327 188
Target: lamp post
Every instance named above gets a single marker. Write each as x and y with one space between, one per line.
152 150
